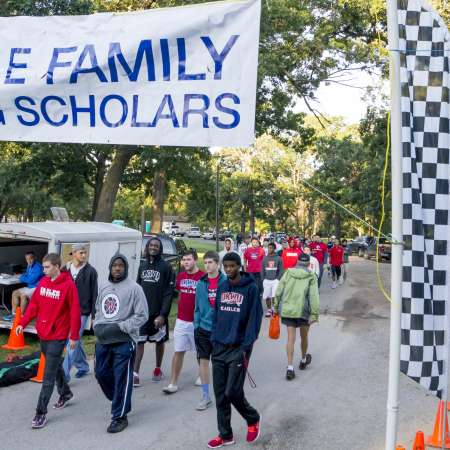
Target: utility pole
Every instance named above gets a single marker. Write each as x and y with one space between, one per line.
217 204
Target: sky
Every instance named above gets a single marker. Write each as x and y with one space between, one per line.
338 100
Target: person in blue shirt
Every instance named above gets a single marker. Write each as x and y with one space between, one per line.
236 322
21 297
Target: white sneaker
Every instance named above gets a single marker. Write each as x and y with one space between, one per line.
340 282
171 389
205 403
136 382
333 285
198 382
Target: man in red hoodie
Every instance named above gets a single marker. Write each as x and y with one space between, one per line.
320 251
290 255
56 307
253 259
336 260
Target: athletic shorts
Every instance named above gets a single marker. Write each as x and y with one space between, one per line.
270 287
149 333
294 322
203 343
183 336
27 291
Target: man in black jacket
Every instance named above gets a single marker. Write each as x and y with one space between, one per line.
157 280
86 281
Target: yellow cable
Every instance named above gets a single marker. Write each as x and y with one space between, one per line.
383 212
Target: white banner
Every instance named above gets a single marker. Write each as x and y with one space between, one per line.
177 76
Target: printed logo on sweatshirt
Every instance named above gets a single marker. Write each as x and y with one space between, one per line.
188 286
150 275
110 305
233 299
50 293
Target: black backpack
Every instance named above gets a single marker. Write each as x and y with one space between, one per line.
21 369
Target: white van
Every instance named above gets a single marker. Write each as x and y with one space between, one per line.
194 232
103 240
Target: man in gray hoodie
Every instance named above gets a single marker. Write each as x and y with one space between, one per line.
121 309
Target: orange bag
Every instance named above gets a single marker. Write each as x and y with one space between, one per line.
274 327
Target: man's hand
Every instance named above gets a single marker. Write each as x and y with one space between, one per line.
159 321
72 344
19 330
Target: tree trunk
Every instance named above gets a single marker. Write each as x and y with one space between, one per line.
338 225
99 180
243 220
108 193
252 211
159 184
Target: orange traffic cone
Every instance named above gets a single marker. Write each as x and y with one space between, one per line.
15 342
419 441
40 375
435 440
399 447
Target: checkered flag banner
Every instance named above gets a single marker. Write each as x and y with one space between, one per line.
424 75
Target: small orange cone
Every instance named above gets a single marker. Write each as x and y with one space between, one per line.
40 375
435 440
400 447
15 342
419 441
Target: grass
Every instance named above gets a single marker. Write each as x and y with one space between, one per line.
202 248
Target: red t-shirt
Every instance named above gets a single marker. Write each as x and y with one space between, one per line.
336 255
212 289
289 256
186 285
254 257
318 250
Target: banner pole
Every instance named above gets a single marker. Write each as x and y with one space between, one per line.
397 246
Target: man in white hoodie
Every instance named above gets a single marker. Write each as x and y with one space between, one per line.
314 265
227 248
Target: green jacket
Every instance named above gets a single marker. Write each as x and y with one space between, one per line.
299 292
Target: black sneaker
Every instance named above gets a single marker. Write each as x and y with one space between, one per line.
62 401
117 425
290 374
303 364
39 421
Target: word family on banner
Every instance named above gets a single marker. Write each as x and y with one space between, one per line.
176 76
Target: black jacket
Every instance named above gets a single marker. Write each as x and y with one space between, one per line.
158 282
87 286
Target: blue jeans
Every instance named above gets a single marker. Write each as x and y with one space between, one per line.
77 356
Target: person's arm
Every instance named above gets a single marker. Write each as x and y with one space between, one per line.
314 299
279 269
197 307
263 269
140 312
168 288
254 320
32 310
32 276
75 313
245 260
279 293
93 289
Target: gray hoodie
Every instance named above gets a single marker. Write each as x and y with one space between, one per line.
121 309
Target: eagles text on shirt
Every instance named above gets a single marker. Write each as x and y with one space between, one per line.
50 293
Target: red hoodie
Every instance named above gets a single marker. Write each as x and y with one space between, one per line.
318 250
57 308
290 255
336 255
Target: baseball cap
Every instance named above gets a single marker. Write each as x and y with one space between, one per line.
304 259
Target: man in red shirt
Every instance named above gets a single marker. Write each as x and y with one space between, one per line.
290 254
320 251
183 333
336 261
56 307
253 259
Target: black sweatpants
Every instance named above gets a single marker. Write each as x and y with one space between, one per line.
228 379
114 372
336 272
53 351
259 282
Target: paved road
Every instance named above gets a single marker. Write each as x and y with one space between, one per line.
338 403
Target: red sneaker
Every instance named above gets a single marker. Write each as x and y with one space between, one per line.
253 431
157 375
218 442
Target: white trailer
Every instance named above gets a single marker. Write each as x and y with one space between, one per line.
102 239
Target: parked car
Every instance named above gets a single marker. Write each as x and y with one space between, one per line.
223 235
194 232
173 230
208 235
172 249
359 245
384 249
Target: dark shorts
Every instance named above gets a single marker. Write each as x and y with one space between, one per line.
296 323
203 343
149 333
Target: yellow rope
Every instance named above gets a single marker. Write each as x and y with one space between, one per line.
383 212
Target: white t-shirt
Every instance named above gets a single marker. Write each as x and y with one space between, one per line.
314 265
74 271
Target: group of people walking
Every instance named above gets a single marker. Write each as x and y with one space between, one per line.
219 318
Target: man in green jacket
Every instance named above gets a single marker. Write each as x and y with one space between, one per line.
299 294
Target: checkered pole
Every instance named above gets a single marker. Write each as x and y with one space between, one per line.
396 257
